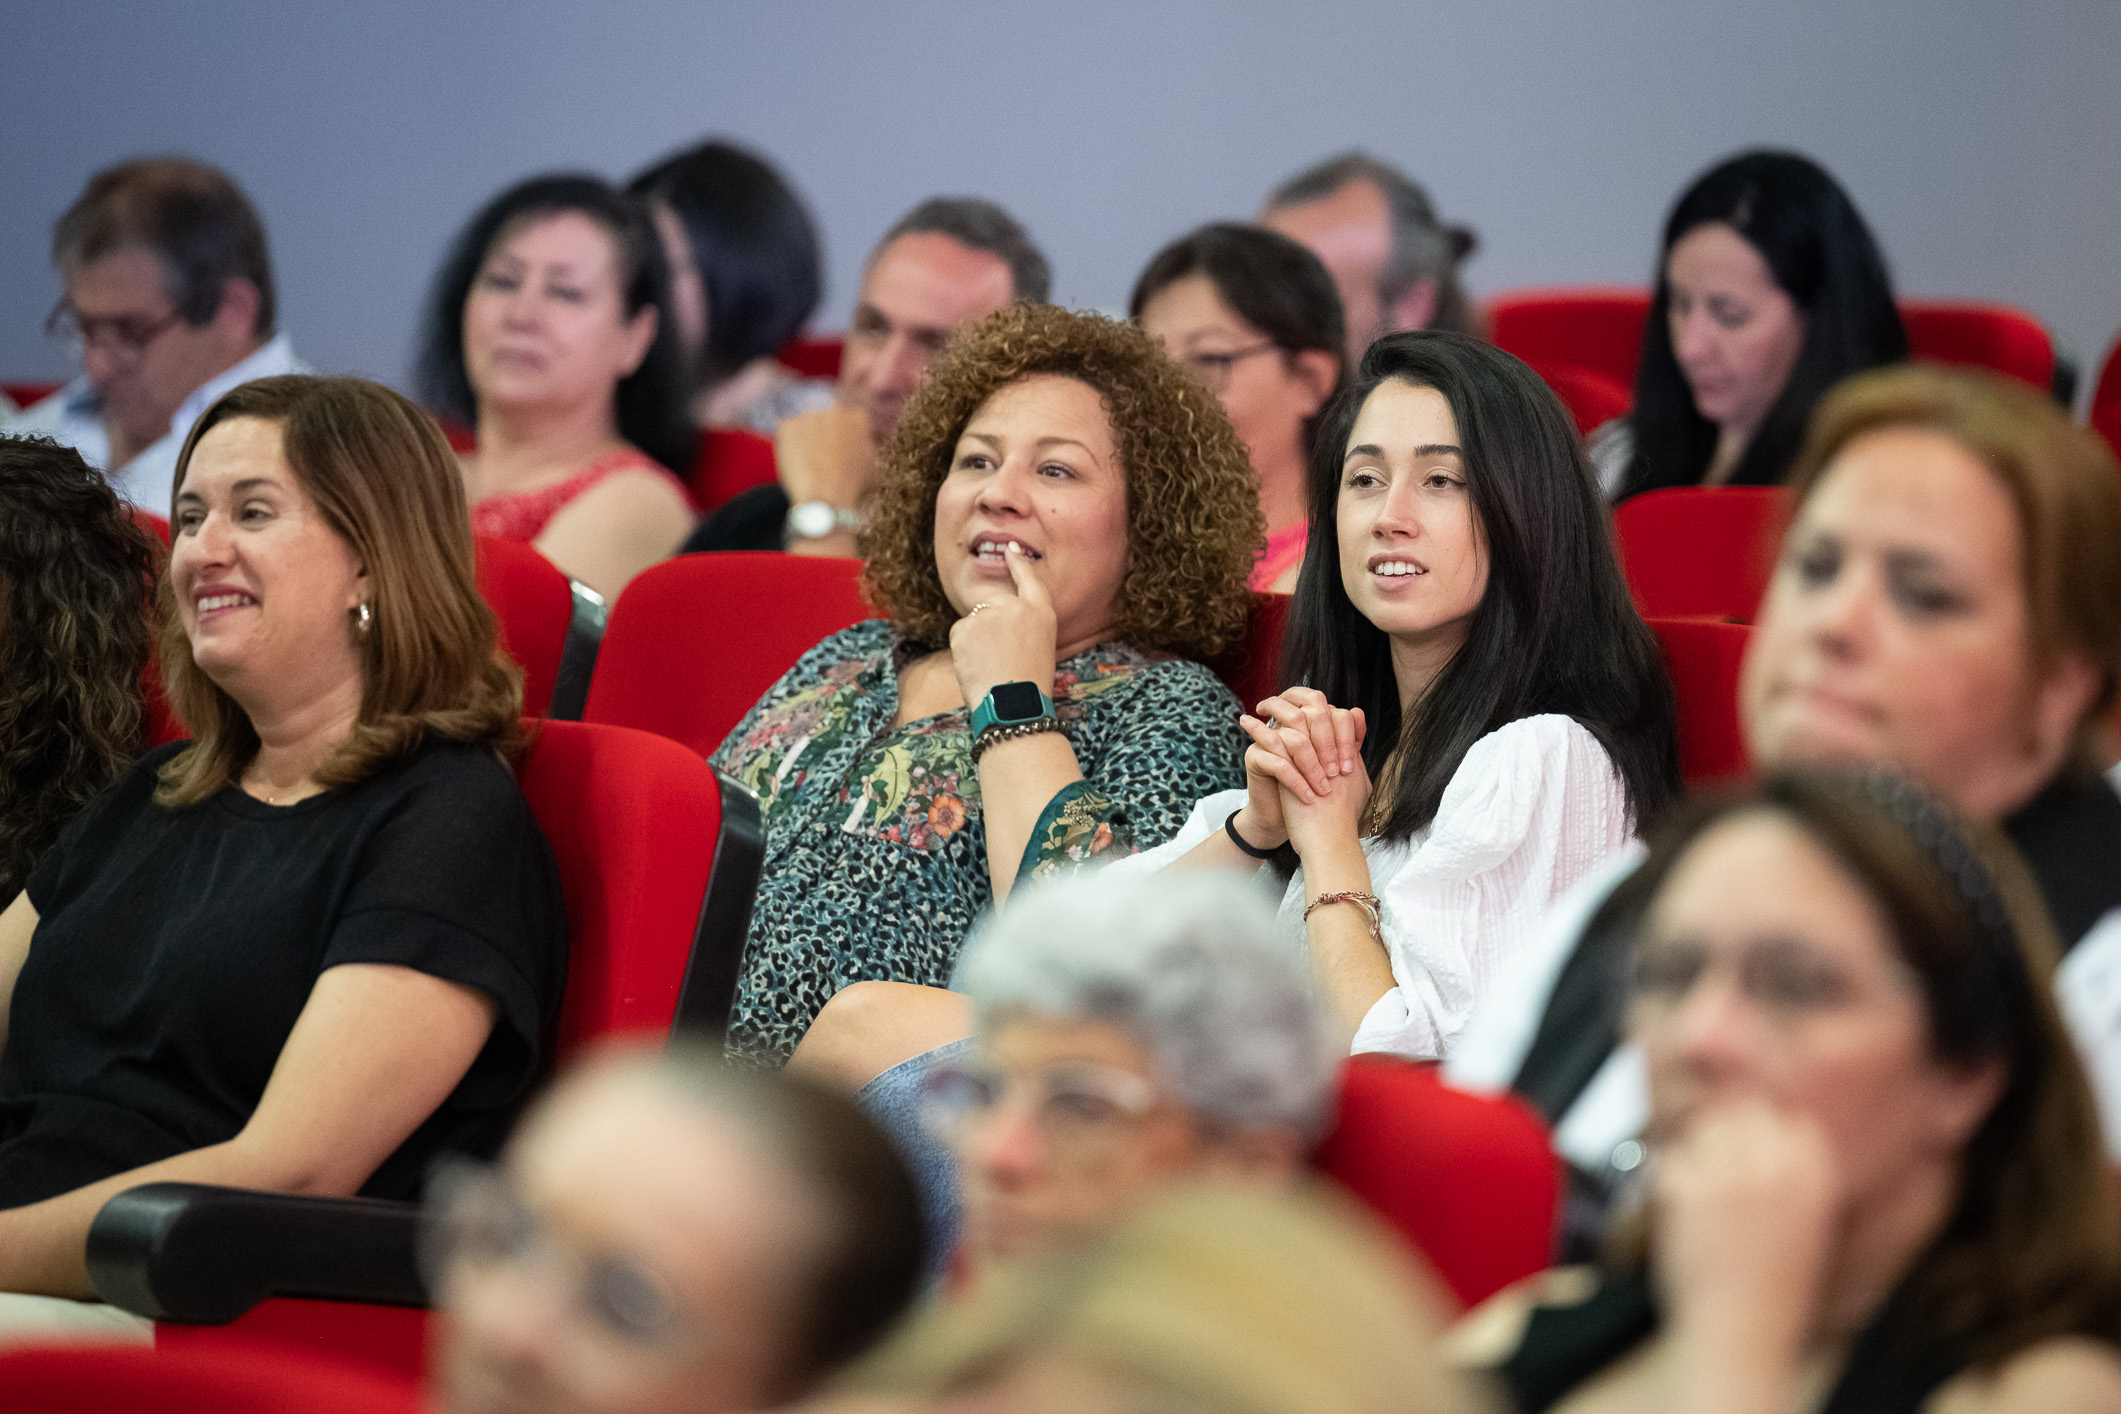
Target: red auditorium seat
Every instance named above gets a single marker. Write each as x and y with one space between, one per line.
1252 669
531 598
731 460
659 858
2106 393
24 394
92 1379
2106 421
1982 334
1598 328
1699 552
1592 398
1703 659
813 358
1469 1180
694 642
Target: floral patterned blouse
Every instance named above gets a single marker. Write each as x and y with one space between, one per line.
876 852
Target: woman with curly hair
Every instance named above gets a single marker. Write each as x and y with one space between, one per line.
74 577
1065 517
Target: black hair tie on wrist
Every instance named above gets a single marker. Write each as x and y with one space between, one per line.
1230 829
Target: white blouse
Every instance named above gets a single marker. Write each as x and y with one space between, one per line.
1533 807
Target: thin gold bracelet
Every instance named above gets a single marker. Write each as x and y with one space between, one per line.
1366 902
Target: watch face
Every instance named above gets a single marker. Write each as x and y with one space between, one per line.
1017 702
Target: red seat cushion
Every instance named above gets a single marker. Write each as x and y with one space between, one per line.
531 598
1598 328
1703 659
695 642
1980 334
1698 551
731 460
1469 1180
231 1379
1592 398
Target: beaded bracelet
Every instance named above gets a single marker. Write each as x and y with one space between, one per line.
992 735
1366 902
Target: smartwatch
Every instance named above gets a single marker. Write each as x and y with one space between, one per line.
814 520
1010 704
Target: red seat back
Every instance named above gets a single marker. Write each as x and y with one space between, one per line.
1468 1180
2106 421
230 1379
731 460
813 358
1700 552
632 819
1252 669
694 642
2107 391
1703 659
1981 334
22 395
1592 398
1598 328
530 596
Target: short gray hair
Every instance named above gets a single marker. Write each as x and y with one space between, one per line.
1187 965
979 224
1423 247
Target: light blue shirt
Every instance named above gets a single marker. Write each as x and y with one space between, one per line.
74 416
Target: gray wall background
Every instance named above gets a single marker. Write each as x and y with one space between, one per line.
1978 138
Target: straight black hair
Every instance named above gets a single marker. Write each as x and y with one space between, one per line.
1272 283
1555 631
754 243
650 403
1824 257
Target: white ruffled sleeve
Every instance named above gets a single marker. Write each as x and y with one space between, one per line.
1532 809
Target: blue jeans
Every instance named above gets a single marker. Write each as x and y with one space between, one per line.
893 1100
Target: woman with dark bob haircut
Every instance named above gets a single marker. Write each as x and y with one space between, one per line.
745 275
548 333
1770 290
75 574
1874 1178
1064 518
322 942
1254 316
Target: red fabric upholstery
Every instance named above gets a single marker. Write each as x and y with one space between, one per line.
632 819
1598 328
1699 552
731 460
1703 659
694 642
160 725
1252 669
1592 398
151 523
234 1380
534 604
1982 334
388 1338
23 394
813 358
2107 391
1468 1180
2106 421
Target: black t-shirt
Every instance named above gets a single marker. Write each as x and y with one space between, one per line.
175 948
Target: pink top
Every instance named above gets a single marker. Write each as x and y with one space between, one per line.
523 515
1285 547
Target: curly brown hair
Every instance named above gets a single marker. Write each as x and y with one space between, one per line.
382 475
74 577
1194 526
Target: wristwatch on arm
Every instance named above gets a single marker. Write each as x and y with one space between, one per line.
814 520
1011 709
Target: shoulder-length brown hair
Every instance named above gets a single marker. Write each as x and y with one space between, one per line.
2061 477
383 477
1194 526
2032 1247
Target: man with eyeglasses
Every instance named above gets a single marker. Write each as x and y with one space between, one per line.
168 304
667 1236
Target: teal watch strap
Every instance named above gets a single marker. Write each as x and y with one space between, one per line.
1008 704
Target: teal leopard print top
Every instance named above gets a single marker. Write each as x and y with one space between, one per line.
876 853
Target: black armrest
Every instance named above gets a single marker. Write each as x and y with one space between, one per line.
578 656
202 1255
711 973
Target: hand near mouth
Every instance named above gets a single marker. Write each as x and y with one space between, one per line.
1010 638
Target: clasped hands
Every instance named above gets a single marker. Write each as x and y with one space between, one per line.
1305 781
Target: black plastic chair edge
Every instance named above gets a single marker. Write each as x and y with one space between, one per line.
204 1255
578 657
709 990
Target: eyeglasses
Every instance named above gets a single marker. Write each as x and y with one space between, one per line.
1786 979
126 336
1076 1108
1214 369
475 1227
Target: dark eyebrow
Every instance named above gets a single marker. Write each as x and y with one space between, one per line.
248 483
1426 449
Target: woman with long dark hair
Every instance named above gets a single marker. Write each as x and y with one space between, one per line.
1770 290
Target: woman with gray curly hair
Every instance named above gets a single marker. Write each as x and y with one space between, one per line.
1129 1034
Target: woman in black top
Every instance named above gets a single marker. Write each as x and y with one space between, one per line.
324 940
1875 1180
